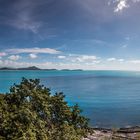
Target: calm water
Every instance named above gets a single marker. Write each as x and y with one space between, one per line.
108 98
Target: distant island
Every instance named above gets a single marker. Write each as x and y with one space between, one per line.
26 68
35 68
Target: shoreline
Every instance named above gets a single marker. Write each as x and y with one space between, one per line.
123 133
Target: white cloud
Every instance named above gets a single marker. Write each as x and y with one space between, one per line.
24 19
32 56
121 60
111 59
76 58
2 54
32 50
46 65
69 65
14 57
25 24
83 58
61 57
134 61
129 65
121 5
115 60
87 57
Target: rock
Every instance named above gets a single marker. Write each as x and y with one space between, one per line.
121 134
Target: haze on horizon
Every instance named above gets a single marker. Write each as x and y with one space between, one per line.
70 34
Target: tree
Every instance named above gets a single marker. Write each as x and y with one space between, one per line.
31 112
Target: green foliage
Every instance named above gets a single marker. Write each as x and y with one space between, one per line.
30 112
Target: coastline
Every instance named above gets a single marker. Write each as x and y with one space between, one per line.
125 133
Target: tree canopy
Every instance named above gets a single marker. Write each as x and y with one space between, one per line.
31 112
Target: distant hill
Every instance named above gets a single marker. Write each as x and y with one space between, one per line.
28 68
7 68
35 68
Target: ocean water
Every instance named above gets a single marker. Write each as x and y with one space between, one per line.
108 98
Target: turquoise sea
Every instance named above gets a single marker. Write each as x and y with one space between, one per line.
108 98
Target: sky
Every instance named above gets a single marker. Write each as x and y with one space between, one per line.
70 34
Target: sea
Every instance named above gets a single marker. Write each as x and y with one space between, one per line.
110 99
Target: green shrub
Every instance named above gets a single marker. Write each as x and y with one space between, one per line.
30 112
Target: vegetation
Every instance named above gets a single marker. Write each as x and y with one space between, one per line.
30 112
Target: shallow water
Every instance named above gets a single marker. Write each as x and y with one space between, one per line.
108 98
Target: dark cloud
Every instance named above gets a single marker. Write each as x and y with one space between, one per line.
29 20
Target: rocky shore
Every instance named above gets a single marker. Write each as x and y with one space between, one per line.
129 133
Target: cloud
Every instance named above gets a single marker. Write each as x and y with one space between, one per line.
14 57
76 58
134 61
128 65
111 59
61 57
46 65
121 60
115 60
121 5
32 56
25 24
24 18
32 50
2 54
83 58
69 65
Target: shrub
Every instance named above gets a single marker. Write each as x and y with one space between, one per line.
31 112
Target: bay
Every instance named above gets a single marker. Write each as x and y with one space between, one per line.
108 98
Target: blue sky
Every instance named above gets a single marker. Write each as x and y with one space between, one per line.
73 34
